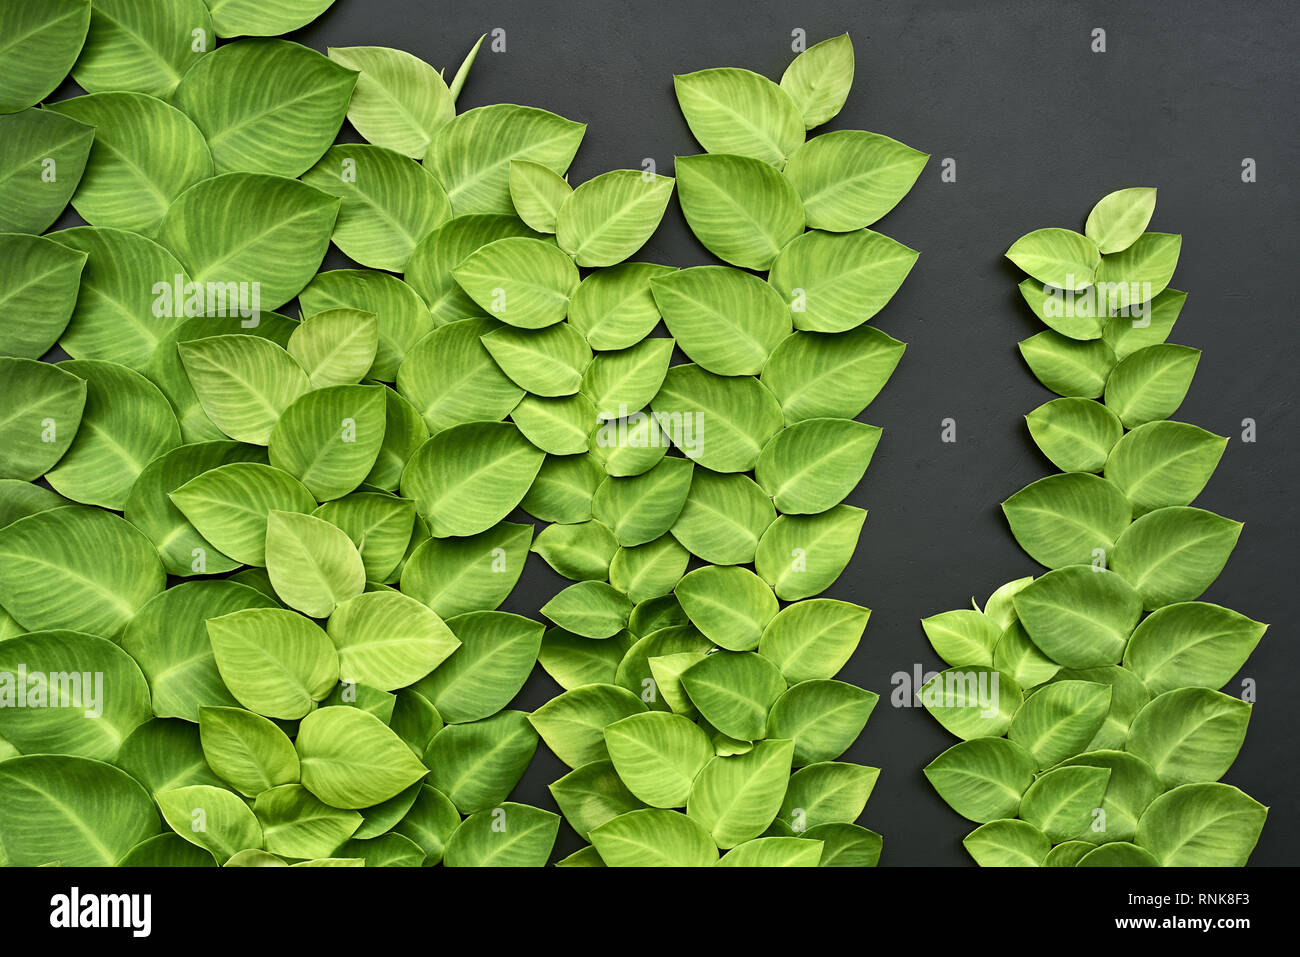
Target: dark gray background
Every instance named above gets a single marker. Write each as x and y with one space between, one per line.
1040 128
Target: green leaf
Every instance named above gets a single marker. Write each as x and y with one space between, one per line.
1016 655
822 717
610 217
830 792
126 423
653 837
399 101
658 756
736 798
1128 696
1174 554
1150 384
1140 272
614 307
247 228
41 279
846 845
169 641
740 208
1201 825
556 426
249 752
457 575
212 818
19 499
69 693
802 555
573 661
1119 218
335 347
650 570
720 422
168 850
41 44
275 662
1118 854
54 573
45 410
573 724
547 362
313 565
1127 335
848 179
620 383
467 478
73 811
834 282
731 606
814 638
429 270
147 153
813 465
1131 787
971 702
1075 434
229 505
404 432
1062 802
266 106
477 765
149 508
774 852
1079 615
640 508
1077 315
723 518
1066 366
329 438
1189 735
982 779
402 316
962 638
387 640
1057 721
1164 463
452 380
137 45
30 139
496 655
249 18
667 670
819 79
537 193
471 155
1063 519
629 446
512 835
593 609
295 824
1191 644
429 823
592 794
737 111
390 202
244 383
523 282
726 320
1007 844
734 692
1057 257
581 552
351 759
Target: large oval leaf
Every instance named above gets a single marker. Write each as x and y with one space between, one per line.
53 573
1191 644
1201 825
1079 615
720 422
814 464
229 505
451 379
802 555
266 106
351 759
387 640
478 764
523 282
512 835
658 755
476 573
41 279
1175 553
399 101
1064 519
982 779
610 217
848 179
274 661
737 111
1164 463
329 438
741 209
244 383
313 565
737 797
726 320
496 655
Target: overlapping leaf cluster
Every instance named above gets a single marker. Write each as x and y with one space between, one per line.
327 678
703 691
1094 731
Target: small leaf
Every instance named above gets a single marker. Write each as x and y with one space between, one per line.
275 662
1075 434
971 702
512 835
1150 384
228 825
734 692
613 307
229 505
1057 257
1079 615
399 101
1007 844
813 465
573 724
592 609
813 638
848 179
1191 644
537 193
723 517
982 779
736 798
1189 735
247 750
1062 519
478 764
313 565
496 655
526 283
802 555
740 208
1057 722
1164 463
581 552
1201 825
1061 803
962 638
658 755
726 320
819 78
387 640
1119 218
1200 540
609 217
730 605
1066 366
546 362
737 111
